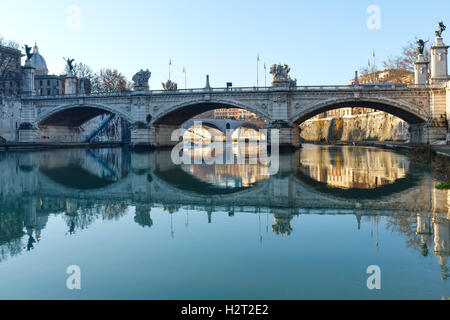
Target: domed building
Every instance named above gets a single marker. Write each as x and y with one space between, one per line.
45 84
38 62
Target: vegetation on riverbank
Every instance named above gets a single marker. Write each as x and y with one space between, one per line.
444 185
438 163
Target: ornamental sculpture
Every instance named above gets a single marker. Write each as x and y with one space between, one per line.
421 46
141 78
69 63
442 28
170 85
28 52
280 76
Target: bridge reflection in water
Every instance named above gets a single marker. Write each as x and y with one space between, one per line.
86 185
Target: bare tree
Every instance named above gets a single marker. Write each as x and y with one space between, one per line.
112 80
9 43
406 60
107 80
5 59
83 71
395 69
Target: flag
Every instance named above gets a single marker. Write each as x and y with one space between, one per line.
170 61
257 58
264 66
184 69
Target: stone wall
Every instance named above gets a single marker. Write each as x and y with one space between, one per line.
376 126
9 118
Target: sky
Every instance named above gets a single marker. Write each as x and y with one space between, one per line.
323 42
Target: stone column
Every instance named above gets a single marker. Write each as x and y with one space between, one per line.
27 131
421 70
28 79
70 85
423 224
441 238
439 69
447 111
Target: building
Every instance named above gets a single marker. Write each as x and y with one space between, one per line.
45 84
233 113
10 70
49 85
344 112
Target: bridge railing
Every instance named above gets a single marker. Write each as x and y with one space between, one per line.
362 87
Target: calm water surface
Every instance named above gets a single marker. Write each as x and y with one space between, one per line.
140 227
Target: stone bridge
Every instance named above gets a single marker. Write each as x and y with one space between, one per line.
155 114
221 125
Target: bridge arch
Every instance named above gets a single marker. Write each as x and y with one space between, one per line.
74 115
180 113
400 109
250 125
210 123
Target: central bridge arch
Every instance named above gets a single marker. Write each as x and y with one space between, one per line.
74 115
178 114
398 108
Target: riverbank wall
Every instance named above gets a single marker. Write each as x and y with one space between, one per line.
374 126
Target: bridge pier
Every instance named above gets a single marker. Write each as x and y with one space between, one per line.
288 135
158 136
163 136
423 133
142 136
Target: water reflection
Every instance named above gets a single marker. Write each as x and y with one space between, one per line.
85 186
349 167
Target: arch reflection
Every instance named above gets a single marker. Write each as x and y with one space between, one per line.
356 172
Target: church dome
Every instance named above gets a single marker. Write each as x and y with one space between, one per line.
38 62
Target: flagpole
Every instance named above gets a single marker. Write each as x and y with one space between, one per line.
170 63
265 75
257 71
185 81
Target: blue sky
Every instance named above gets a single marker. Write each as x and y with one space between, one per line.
322 41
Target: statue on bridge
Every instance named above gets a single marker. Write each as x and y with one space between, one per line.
170 85
280 76
140 80
442 28
280 72
69 64
28 52
421 46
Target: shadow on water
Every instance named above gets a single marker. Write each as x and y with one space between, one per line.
180 179
75 177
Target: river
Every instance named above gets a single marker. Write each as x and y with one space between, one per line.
139 227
